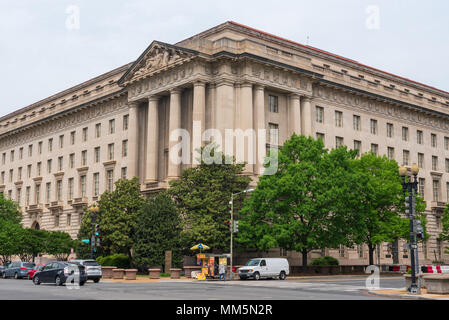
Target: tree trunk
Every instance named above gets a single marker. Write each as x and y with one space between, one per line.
371 254
304 260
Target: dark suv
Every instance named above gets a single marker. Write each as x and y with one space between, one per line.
18 270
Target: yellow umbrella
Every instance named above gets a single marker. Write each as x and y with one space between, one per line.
200 247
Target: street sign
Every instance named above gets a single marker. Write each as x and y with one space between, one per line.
86 241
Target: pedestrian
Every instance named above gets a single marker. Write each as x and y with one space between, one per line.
222 271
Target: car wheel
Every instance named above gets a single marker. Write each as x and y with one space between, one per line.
282 276
82 283
58 281
97 280
36 280
257 276
4 275
16 276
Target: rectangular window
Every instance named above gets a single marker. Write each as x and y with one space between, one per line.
71 189
56 221
29 168
404 133
84 158
59 190
98 130
72 137
19 195
20 153
319 114
61 141
50 145
85 134
390 130
357 123
3 177
125 122
375 149
358 147
12 156
390 152
434 163
446 143
419 137
339 142
421 160
124 172
72 160
338 119
39 169
320 136
373 126
3 158
97 154
60 163
405 157
96 184
447 165
110 180
422 186
69 219
125 148
19 174
273 103
11 175
433 139
27 196
38 194
274 134
83 186
49 166
112 126
39 147
48 195
436 190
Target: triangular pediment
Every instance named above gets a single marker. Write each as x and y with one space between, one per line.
158 56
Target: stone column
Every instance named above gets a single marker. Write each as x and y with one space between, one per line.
294 119
152 140
174 170
306 106
199 118
133 140
224 118
259 124
246 123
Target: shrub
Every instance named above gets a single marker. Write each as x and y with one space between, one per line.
116 260
324 262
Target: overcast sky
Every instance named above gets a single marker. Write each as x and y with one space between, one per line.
45 49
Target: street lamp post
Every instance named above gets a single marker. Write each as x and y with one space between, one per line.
231 276
93 214
411 187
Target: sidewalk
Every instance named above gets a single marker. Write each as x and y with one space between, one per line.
403 294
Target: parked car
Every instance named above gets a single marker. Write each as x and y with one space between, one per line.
35 269
1 270
18 270
93 269
58 272
265 268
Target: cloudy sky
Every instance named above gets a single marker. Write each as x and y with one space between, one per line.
45 48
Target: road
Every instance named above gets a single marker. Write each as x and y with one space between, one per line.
313 288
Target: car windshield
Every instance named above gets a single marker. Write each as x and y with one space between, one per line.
28 265
253 262
90 263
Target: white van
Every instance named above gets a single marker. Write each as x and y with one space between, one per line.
265 268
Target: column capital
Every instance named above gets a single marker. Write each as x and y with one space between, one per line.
153 98
294 95
175 90
306 98
133 104
199 83
259 87
246 84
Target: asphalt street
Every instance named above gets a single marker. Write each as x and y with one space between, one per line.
313 288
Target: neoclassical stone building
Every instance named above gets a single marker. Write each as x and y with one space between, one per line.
58 155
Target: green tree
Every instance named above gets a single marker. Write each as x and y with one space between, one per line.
59 244
444 236
158 229
117 216
10 235
30 244
303 206
378 203
83 250
9 210
202 195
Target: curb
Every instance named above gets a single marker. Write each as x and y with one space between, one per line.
404 296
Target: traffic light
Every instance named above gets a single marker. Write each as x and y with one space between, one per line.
236 226
97 230
407 205
230 226
419 230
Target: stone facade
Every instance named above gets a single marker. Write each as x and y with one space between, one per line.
58 155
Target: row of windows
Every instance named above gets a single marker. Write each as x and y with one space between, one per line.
71 188
111 130
357 126
60 163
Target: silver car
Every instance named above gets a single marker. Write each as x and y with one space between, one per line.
93 269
